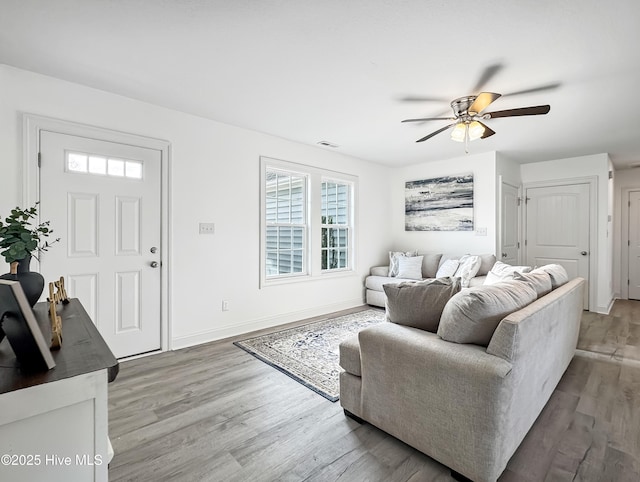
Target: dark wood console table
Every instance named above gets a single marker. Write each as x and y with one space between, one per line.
57 420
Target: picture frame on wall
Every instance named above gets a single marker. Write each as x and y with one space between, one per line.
439 204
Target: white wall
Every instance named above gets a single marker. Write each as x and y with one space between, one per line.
624 181
508 169
483 167
598 166
214 178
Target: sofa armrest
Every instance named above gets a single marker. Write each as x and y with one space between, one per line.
380 271
447 400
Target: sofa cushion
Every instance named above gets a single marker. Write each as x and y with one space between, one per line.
393 260
472 315
557 273
477 281
539 281
420 304
468 268
448 268
410 267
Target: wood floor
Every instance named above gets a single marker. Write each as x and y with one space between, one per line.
215 413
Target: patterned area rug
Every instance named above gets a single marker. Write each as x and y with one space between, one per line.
309 353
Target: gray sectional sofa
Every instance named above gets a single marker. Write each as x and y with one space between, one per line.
467 405
379 275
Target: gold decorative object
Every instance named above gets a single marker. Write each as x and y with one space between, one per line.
57 294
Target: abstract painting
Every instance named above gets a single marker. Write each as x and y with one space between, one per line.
439 204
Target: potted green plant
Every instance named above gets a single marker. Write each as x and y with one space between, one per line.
21 238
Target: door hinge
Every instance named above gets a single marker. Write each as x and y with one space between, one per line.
610 174
628 282
39 159
525 242
518 245
519 201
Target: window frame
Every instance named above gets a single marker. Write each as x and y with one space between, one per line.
346 226
291 225
313 210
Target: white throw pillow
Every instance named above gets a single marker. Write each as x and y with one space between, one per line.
448 268
410 267
493 278
468 268
393 260
504 272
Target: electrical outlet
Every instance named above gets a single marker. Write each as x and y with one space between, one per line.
207 228
225 305
481 231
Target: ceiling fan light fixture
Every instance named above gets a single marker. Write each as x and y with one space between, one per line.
459 132
476 130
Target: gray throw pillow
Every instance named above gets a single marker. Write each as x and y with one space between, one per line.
473 315
539 281
419 304
556 272
487 262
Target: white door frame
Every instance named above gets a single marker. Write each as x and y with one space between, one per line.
624 240
33 124
592 181
501 182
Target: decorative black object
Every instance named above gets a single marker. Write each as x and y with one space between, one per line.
19 325
32 282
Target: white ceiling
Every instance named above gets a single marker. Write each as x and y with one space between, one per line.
338 70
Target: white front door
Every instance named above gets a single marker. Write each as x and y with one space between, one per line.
104 201
557 229
634 245
509 225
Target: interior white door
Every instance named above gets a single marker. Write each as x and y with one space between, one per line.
509 225
557 229
104 200
634 245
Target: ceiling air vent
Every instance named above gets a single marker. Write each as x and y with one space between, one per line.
327 144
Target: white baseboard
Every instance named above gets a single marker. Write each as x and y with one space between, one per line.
605 310
259 324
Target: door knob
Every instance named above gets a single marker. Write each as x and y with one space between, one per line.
504 255
154 264
583 253
154 250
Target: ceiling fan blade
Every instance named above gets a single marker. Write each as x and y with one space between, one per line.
429 119
435 133
532 90
410 98
536 110
486 76
482 101
488 132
